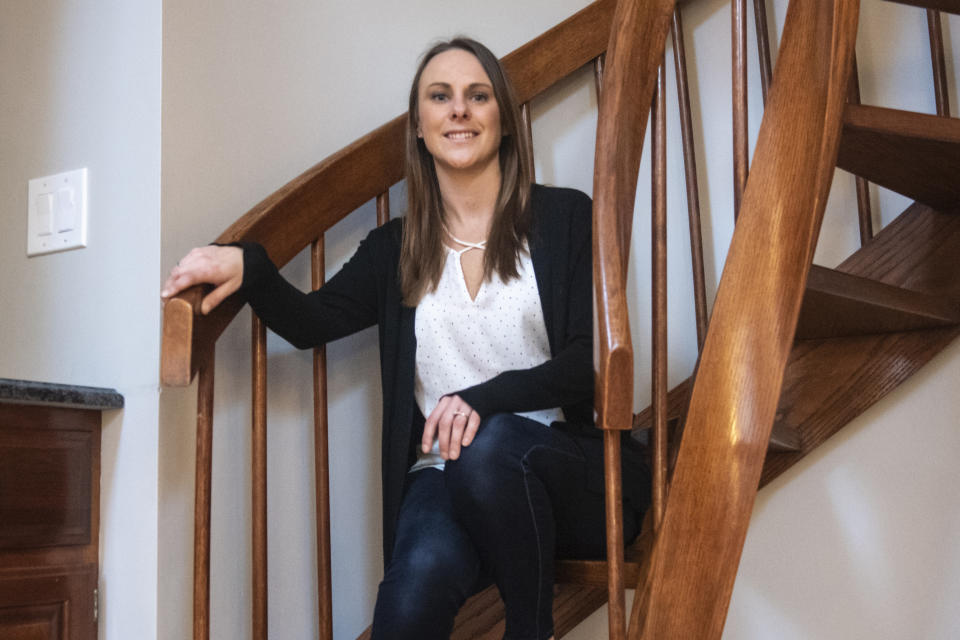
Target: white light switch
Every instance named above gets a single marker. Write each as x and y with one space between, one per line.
45 214
57 213
66 210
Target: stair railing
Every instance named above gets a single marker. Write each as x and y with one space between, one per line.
686 585
296 216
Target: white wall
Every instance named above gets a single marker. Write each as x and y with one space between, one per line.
81 88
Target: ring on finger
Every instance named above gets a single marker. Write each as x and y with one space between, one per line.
461 413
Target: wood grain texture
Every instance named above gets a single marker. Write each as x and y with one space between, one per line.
782 438
658 304
482 615
49 521
300 211
201 503
46 423
830 382
321 448
763 45
46 488
915 154
258 478
686 589
690 177
938 62
864 211
633 56
920 251
838 304
48 604
741 144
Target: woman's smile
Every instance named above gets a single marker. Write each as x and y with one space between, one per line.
458 115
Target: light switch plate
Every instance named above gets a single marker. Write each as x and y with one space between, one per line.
57 213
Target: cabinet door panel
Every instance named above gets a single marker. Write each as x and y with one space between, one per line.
48 604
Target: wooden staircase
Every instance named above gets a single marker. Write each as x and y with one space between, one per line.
794 351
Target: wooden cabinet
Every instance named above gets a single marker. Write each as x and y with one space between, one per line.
49 515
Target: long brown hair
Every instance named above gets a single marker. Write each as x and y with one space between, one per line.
422 251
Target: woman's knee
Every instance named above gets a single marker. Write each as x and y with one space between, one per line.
422 592
486 462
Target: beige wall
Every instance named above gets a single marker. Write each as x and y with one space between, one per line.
80 86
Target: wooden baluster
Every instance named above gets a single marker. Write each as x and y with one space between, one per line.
321 461
690 171
528 128
598 74
259 478
939 66
864 212
613 495
383 208
659 301
201 505
741 153
763 45
616 605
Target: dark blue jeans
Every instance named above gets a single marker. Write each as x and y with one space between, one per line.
521 495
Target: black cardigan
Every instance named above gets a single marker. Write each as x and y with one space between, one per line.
366 291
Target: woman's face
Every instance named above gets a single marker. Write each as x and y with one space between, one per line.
458 115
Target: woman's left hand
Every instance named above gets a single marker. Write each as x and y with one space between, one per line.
454 423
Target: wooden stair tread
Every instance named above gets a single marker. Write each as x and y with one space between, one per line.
915 154
920 251
950 6
838 304
829 382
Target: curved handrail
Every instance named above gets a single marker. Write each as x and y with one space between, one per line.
303 209
687 584
633 56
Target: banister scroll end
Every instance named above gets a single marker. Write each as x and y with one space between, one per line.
176 349
614 389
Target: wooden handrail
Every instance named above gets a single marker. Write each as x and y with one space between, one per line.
686 587
303 209
630 74
634 54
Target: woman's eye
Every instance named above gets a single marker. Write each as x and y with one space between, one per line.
438 97
480 97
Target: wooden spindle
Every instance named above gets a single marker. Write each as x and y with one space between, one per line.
741 153
528 129
659 295
598 74
763 46
383 215
259 478
939 65
864 212
322 449
617 610
690 174
201 505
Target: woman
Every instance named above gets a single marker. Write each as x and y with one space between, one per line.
482 296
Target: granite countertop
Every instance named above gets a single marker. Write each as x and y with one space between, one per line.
58 395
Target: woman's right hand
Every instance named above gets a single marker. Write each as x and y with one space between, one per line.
220 266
